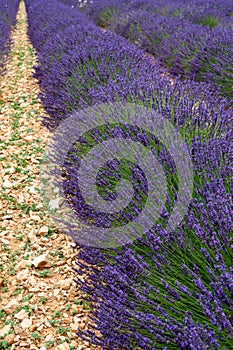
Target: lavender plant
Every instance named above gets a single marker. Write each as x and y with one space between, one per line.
214 63
170 290
102 13
50 17
71 69
8 11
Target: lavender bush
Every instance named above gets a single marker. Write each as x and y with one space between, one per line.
78 61
49 17
168 290
8 11
214 63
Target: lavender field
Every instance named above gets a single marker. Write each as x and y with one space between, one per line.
107 68
191 39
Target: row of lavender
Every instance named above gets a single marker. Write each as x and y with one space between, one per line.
167 290
193 39
8 11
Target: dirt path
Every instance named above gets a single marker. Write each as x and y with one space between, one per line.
40 307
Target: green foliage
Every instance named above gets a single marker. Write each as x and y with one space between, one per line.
106 16
208 21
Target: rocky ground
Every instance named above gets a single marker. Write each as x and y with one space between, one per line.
40 306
